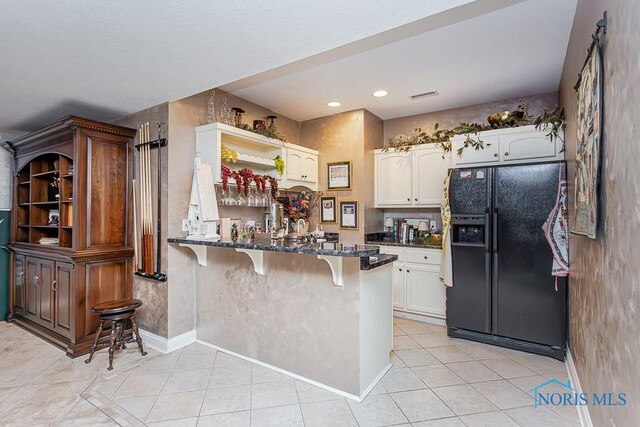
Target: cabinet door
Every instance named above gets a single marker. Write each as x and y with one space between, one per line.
310 167
489 154
527 146
425 292
397 279
33 288
45 285
430 167
63 298
19 285
393 179
293 167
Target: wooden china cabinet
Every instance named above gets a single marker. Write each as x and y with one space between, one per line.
69 236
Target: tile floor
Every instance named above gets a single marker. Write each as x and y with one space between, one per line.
435 381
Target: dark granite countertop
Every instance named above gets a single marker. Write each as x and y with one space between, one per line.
406 245
326 248
375 261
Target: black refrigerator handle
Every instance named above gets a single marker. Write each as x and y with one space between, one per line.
494 230
487 242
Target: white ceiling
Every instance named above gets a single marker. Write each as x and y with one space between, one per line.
106 59
514 51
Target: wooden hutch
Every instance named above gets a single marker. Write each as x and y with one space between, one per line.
69 232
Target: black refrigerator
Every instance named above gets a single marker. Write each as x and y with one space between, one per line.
503 292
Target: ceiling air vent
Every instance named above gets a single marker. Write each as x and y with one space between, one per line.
424 95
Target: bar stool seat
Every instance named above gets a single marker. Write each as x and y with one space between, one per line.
118 312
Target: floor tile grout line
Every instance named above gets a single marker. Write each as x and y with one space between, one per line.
206 390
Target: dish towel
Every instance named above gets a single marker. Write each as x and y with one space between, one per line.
446 269
556 230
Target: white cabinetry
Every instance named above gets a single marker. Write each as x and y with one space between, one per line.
410 179
507 146
301 167
416 281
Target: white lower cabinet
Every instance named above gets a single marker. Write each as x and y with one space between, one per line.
416 281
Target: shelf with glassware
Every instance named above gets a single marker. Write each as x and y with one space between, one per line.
257 153
45 201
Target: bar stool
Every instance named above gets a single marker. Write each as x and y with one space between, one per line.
117 312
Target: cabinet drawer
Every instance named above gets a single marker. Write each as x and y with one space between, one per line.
424 256
393 251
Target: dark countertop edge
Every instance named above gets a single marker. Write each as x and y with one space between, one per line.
372 250
383 259
405 245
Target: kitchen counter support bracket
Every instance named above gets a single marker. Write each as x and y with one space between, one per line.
335 262
257 257
199 250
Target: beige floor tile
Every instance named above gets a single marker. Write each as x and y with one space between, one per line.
378 410
527 384
437 376
449 354
260 374
503 394
417 357
157 365
378 389
142 385
224 359
308 393
488 419
536 417
199 349
182 422
334 413
473 372
395 361
267 395
187 381
443 422
226 399
415 328
433 340
542 365
421 405
176 406
232 419
508 368
568 413
6 392
85 414
402 379
228 376
404 342
464 399
139 407
480 351
191 361
290 416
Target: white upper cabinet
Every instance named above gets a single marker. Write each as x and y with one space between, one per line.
410 179
301 167
507 146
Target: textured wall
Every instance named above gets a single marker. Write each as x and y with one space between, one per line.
340 137
5 169
153 315
604 287
293 317
373 140
473 113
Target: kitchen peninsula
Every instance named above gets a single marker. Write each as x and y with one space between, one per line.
321 312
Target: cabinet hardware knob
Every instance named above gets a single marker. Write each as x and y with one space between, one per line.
495 155
506 154
408 271
426 257
54 285
400 269
488 144
35 281
415 200
21 275
408 199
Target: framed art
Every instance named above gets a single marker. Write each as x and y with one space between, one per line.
349 215
328 209
339 176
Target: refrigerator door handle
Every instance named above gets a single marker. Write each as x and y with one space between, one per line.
487 242
494 230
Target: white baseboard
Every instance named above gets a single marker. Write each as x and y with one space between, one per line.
300 377
419 317
583 411
164 345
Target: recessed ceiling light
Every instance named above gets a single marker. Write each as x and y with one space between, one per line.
380 93
334 103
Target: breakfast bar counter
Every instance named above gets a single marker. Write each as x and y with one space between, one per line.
320 312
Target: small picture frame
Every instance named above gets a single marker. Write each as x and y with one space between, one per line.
328 210
54 217
349 215
339 176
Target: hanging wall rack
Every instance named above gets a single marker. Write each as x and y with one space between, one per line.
151 145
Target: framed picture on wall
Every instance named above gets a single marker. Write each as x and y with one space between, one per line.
328 209
349 215
339 176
